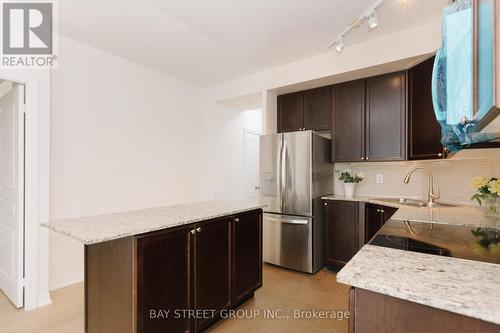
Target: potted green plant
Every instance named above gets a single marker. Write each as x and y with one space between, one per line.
488 191
350 180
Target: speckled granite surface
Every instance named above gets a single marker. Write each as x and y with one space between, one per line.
465 287
101 228
457 215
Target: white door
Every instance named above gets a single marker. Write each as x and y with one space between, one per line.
252 186
12 194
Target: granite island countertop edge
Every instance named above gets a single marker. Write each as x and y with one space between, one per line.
106 227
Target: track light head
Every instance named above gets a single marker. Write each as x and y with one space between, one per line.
340 45
372 20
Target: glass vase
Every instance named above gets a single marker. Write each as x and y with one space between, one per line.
492 207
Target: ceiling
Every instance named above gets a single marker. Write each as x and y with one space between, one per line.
207 42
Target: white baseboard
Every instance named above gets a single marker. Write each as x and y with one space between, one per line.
65 281
44 299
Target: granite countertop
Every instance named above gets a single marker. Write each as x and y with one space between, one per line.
470 216
461 286
101 228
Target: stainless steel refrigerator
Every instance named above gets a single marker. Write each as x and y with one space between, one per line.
295 171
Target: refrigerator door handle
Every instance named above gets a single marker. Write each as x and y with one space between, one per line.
300 222
280 184
283 176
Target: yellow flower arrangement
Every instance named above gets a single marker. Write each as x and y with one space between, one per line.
494 187
478 182
486 188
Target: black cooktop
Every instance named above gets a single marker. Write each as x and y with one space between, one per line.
479 244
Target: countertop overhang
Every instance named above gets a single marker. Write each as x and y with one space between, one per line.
101 228
466 287
461 286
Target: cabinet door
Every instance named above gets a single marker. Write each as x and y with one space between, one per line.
342 231
424 132
290 112
348 121
212 269
247 255
163 280
386 117
373 221
317 109
388 212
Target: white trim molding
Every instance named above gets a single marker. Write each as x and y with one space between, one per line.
36 253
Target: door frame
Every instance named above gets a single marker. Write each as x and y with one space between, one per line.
36 200
247 131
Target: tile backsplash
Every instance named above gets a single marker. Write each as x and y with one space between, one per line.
452 176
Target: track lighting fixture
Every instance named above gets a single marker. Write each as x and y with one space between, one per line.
370 15
340 45
373 20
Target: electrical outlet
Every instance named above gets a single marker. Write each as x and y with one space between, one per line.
380 178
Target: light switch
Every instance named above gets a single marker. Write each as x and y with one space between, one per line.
380 178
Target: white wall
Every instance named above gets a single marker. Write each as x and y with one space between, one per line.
123 137
225 151
374 52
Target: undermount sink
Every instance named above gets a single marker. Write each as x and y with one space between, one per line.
413 202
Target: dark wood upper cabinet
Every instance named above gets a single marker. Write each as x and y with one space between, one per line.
290 112
342 231
348 121
383 118
305 110
212 267
163 280
424 132
247 255
317 109
386 117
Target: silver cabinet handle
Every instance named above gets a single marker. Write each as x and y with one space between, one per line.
236 219
193 232
362 158
198 229
382 211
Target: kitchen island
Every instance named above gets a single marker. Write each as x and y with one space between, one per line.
168 269
398 290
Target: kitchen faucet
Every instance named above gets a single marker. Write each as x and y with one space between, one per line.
432 196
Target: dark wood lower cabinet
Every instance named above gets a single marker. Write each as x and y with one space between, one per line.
212 269
375 218
163 281
342 231
346 233
377 313
154 283
247 255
